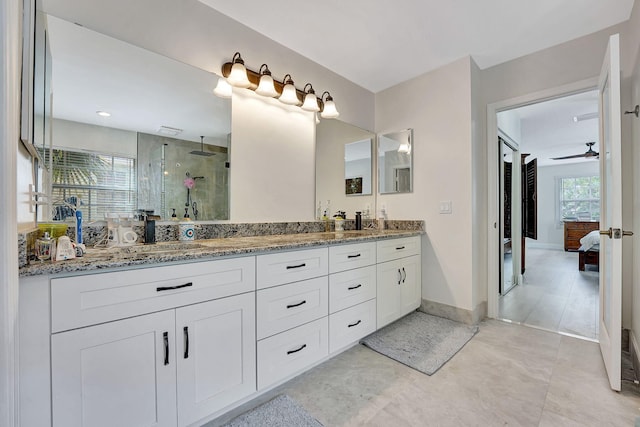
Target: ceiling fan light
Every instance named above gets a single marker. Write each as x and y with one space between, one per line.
223 88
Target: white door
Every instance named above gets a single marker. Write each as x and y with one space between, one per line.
117 374
610 315
216 355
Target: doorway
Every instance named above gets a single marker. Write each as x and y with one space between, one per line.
553 293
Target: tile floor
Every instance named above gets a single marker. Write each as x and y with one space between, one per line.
506 375
555 295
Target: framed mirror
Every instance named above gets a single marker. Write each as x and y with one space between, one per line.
395 162
357 168
344 166
134 130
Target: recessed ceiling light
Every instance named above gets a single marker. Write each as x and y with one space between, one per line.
168 130
103 113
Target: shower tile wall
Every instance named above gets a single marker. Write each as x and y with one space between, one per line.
163 164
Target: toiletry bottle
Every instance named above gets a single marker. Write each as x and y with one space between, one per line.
358 220
186 228
43 247
79 240
319 211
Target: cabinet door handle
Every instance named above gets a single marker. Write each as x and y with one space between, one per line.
354 324
399 276
170 288
289 267
404 275
353 256
304 301
186 342
350 288
399 248
303 346
165 337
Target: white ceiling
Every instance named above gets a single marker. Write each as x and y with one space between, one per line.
548 129
378 44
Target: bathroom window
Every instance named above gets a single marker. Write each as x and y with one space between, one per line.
97 182
579 198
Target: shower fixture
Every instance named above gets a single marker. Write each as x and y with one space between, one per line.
202 152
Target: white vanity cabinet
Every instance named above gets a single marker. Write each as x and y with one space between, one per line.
399 288
171 367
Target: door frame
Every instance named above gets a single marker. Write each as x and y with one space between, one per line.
493 178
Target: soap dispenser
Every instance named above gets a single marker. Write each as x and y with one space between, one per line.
186 229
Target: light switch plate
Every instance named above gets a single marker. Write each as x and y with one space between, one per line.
445 207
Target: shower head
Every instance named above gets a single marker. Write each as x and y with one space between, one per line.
202 152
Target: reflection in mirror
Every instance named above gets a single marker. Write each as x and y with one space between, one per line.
357 168
341 162
395 162
126 130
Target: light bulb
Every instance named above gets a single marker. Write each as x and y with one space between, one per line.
266 86
329 111
223 88
289 94
238 76
310 102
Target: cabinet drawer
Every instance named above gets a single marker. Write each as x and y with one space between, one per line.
287 267
287 306
348 326
388 250
347 257
97 298
351 287
292 351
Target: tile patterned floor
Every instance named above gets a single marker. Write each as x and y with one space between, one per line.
506 375
555 295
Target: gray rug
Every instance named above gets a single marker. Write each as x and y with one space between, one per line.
281 411
421 341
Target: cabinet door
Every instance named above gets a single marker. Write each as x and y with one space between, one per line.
411 284
216 355
388 295
116 374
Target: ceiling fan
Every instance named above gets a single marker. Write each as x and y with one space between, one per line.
590 153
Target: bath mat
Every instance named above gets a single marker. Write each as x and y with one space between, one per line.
421 341
281 411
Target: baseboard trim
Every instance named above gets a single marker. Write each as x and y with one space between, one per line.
469 317
635 352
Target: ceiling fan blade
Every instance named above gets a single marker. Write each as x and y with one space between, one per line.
575 156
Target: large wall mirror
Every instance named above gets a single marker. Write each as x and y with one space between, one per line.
132 130
344 167
395 162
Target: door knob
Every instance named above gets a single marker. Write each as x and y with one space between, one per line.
608 232
627 233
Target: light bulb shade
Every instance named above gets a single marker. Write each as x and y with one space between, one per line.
404 148
223 88
329 111
310 102
266 86
289 95
238 76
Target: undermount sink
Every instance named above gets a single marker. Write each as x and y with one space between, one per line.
160 247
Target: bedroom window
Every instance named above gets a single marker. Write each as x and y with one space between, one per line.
580 198
97 182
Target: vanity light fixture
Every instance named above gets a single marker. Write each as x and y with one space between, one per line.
238 75
329 110
223 88
235 74
103 113
266 87
289 92
310 99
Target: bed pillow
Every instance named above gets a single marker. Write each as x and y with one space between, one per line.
592 238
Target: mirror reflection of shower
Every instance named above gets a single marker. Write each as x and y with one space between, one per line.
183 179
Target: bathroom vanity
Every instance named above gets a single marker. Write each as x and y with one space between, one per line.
131 340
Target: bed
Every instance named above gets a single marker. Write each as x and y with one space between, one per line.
589 251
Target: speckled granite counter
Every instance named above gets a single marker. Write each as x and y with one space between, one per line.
166 252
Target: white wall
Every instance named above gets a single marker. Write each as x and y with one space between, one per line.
550 232
272 174
442 150
509 124
83 136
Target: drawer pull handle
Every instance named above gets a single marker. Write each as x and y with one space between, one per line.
170 288
353 256
304 301
302 347
186 342
399 248
350 288
289 267
399 276
354 324
404 275
165 337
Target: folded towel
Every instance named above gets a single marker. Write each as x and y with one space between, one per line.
592 238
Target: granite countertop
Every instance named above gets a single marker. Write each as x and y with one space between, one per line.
139 255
